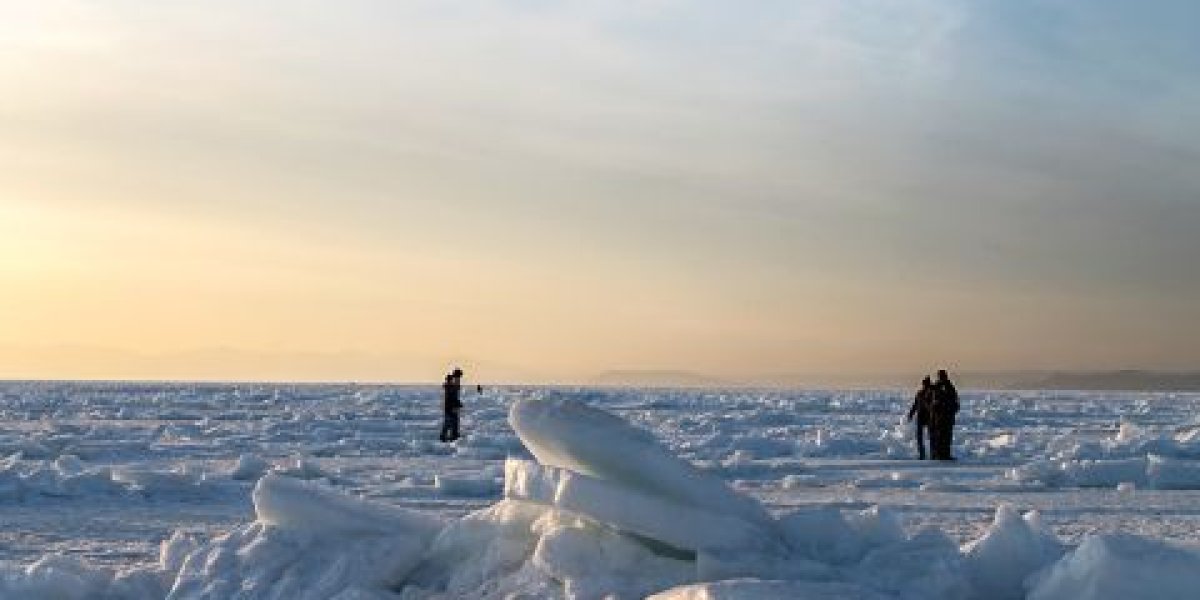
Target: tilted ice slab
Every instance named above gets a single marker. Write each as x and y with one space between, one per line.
635 511
565 433
308 543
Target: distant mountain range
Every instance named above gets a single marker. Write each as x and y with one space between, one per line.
1130 379
1116 380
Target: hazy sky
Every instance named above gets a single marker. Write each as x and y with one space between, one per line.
543 190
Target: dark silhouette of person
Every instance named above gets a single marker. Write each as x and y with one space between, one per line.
945 408
922 406
451 403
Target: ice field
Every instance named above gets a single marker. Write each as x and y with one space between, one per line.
122 490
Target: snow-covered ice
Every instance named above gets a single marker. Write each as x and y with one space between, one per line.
123 491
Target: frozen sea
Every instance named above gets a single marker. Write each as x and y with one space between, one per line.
105 472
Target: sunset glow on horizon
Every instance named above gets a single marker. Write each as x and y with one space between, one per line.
543 192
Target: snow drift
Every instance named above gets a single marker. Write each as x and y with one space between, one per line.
605 511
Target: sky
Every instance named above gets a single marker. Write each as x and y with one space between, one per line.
544 191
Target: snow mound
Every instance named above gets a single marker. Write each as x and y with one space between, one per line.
54 576
828 535
1134 454
1151 471
57 577
1009 552
249 467
309 542
522 549
1120 567
69 477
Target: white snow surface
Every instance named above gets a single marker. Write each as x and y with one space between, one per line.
253 491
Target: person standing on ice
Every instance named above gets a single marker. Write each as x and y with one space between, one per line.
451 403
945 408
921 406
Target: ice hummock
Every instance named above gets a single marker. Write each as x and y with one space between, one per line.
1014 548
1120 567
565 433
308 543
1133 456
607 512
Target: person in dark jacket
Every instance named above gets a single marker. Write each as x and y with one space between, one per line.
451 403
921 406
945 409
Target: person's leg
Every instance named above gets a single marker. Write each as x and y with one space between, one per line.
934 448
921 440
948 438
445 434
940 452
453 426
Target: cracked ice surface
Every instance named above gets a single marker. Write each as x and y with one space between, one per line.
604 509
